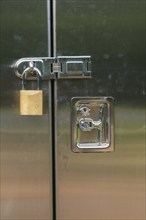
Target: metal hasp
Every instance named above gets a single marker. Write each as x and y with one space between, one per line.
92 122
55 67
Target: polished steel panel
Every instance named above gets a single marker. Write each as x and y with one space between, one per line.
25 154
103 186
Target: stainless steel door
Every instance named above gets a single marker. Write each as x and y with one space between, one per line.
85 185
103 185
25 153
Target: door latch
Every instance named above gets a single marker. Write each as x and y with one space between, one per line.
55 67
87 124
92 123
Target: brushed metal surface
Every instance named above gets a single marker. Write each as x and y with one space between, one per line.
25 153
103 185
89 186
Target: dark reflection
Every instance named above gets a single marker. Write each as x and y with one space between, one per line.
23 29
113 33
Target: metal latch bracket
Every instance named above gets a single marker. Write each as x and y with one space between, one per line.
55 67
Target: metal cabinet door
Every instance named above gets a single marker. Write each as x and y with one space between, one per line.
103 185
88 185
25 150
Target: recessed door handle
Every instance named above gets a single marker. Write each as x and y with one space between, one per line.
92 124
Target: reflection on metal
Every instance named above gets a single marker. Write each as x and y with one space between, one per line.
95 133
31 71
87 124
75 67
31 101
44 65
84 111
55 67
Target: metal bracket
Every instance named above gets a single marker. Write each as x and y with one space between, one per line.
54 67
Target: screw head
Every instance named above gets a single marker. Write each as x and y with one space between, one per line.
84 111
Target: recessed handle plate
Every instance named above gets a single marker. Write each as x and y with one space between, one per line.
92 123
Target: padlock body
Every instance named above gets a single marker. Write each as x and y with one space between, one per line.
31 102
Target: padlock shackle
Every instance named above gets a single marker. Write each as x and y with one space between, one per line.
38 74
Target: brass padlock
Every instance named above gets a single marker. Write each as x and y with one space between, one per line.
31 101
